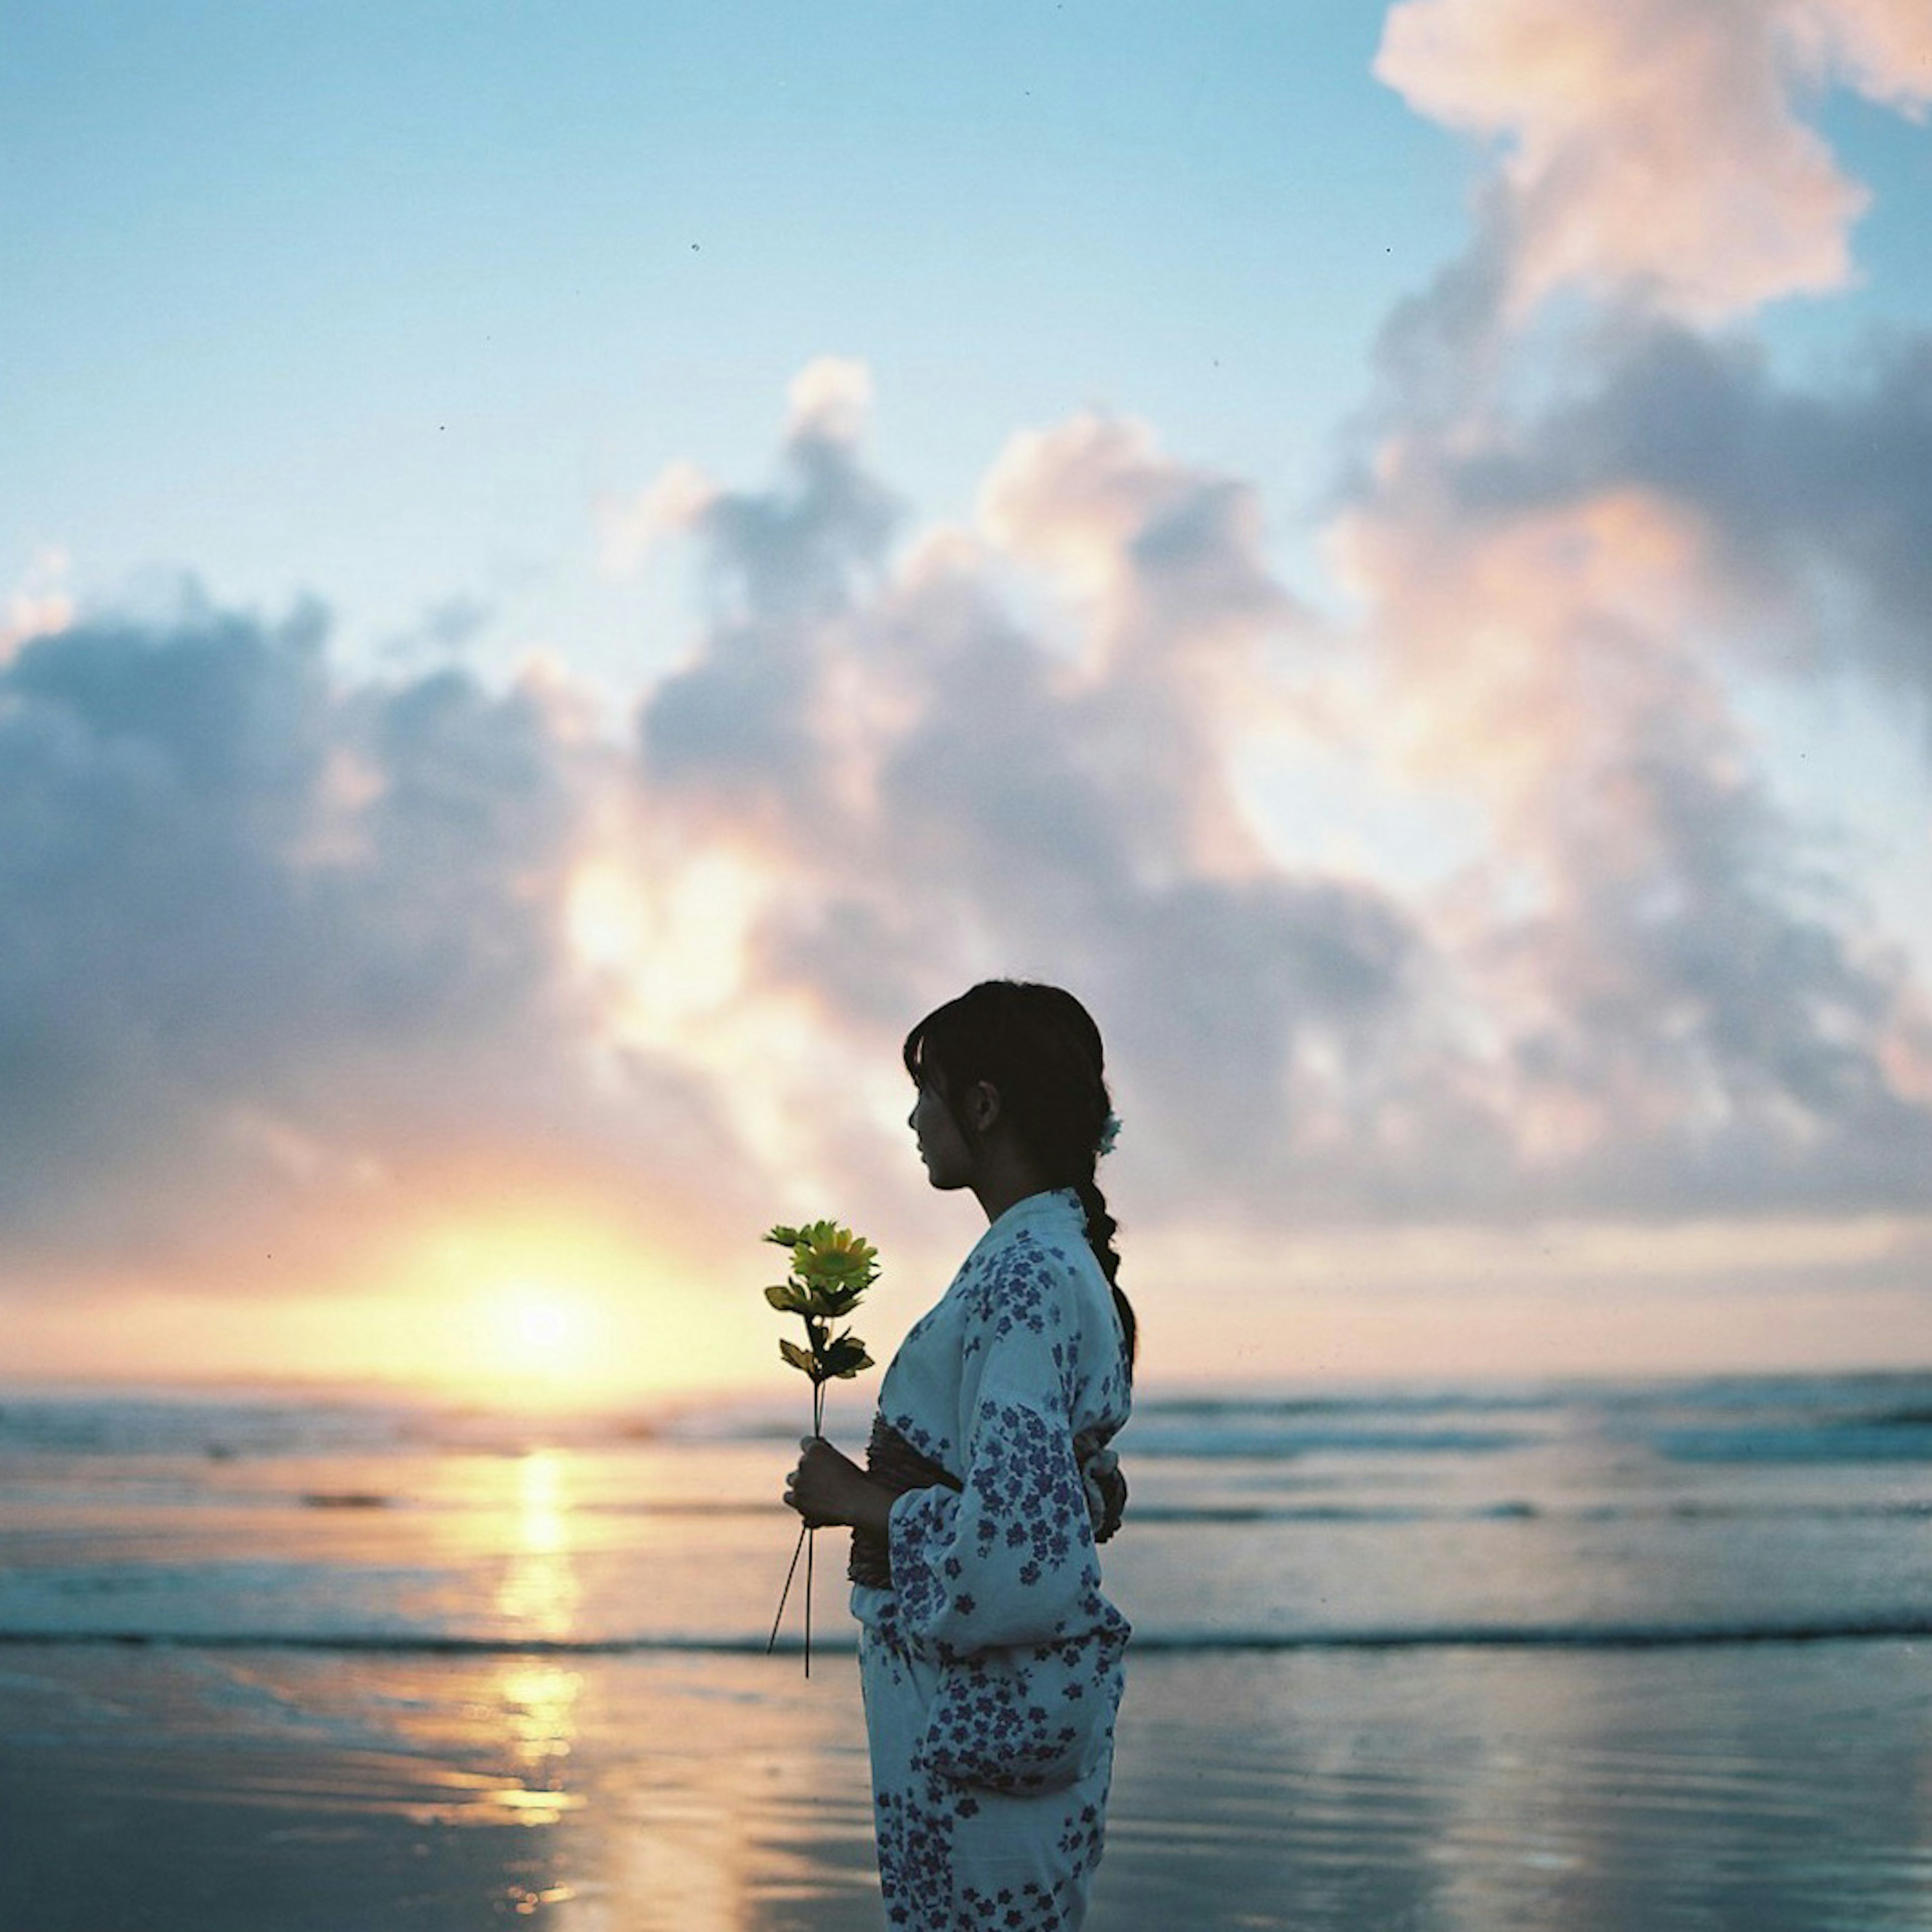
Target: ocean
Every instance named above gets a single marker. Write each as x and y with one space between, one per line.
1631 1654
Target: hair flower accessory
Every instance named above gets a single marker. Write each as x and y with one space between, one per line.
1110 1132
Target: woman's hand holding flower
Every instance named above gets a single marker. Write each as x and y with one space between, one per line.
828 1488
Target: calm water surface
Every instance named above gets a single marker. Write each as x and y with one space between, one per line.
1644 1656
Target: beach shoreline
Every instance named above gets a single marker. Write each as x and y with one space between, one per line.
164 1788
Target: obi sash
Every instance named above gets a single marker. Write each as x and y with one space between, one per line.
892 1462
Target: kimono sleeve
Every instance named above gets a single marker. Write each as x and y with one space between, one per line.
1009 1558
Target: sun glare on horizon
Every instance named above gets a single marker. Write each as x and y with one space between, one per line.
553 1308
538 1306
543 1328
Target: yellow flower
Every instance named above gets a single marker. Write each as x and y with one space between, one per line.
826 1253
831 1269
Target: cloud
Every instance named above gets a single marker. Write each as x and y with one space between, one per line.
1681 1008
444 630
786 563
1646 1001
1577 531
39 603
936 786
831 400
283 955
628 530
1654 150
1809 507
297 959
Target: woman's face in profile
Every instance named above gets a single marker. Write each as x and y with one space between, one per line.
949 1160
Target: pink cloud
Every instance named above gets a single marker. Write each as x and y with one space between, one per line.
1671 1004
39 603
1655 148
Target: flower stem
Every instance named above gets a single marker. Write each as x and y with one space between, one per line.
804 1546
812 1541
785 1595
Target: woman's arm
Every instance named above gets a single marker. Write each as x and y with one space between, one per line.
828 1489
1010 1558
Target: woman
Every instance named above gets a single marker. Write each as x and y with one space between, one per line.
989 1659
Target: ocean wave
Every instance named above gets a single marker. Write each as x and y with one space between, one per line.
1144 1511
1830 1418
1828 1439
1183 1515
1278 1444
1904 1625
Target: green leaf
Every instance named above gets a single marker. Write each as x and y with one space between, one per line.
845 1356
796 1297
786 1237
800 1359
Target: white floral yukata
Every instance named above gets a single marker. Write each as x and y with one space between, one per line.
992 1669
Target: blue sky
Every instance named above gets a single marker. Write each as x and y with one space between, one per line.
1464 574
373 300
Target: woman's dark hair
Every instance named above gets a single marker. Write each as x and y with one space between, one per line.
1037 1046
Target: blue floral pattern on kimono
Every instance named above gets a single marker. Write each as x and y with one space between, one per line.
992 1667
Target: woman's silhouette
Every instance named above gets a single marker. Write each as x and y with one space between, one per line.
991 1661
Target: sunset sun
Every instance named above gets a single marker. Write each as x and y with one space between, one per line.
542 1326
552 1305
540 1333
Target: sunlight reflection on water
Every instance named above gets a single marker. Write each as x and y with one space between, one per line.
540 1592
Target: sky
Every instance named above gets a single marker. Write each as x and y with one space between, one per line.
566 574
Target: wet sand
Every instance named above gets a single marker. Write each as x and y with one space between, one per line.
1782 1787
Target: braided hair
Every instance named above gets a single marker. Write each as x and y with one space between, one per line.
1037 1046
